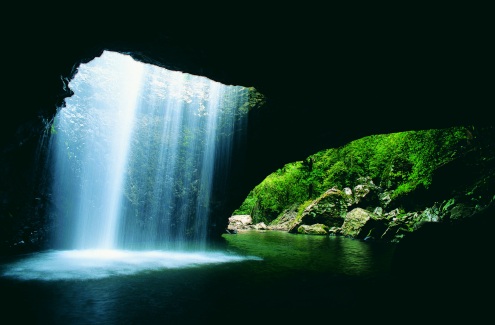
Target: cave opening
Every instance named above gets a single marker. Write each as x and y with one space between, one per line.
117 146
136 158
136 151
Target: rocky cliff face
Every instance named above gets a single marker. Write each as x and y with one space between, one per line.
330 75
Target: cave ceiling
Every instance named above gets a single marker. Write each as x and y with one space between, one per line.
330 74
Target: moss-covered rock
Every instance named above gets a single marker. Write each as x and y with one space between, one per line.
329 209
284 220
316 229
360 223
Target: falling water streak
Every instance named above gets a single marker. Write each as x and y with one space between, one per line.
131 87
95 126
169 131
119 134
206 176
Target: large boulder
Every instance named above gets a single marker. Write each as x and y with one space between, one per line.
360 223
240 221
329 209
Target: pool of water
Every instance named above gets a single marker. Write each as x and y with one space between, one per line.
254 276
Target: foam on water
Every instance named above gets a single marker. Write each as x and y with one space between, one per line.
97 264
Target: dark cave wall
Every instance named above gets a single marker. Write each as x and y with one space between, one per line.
330 76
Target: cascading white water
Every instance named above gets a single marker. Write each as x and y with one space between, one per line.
92 144
134 155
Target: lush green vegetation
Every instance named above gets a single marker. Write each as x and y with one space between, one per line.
397 162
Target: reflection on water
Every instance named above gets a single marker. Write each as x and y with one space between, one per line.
335 255
257 277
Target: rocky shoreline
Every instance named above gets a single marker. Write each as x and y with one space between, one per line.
460 191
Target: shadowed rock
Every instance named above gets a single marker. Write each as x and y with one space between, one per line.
360 223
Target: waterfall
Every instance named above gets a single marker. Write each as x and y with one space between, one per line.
134 155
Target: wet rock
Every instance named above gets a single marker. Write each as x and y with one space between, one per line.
360 223
240 221
329 209
316 229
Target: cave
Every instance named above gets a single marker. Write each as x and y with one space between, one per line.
329 77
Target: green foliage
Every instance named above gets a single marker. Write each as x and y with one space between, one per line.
248 205
53 129
256 99
277 192
398 162
252 99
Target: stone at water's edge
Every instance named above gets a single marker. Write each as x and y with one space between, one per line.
360 223
243 222
239 221
316 229
329 209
